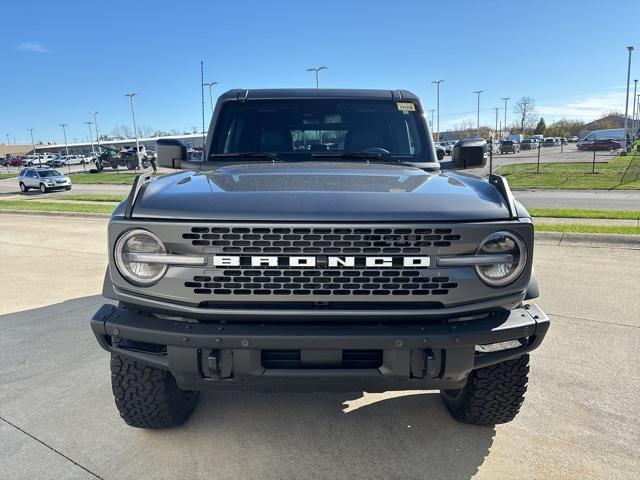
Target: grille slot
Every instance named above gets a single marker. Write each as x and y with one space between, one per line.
333 241
274 281
292 359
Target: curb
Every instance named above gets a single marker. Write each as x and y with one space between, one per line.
588 240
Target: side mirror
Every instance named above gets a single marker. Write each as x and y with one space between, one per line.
171 153
470 153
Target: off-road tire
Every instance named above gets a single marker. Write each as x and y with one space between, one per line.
491 395
149 397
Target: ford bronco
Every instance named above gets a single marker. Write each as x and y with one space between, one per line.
317 245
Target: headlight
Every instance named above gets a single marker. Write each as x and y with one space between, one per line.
502 243
139 241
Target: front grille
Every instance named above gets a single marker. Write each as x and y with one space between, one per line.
292 359
336 282
330 240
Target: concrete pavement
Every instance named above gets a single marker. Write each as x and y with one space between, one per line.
580 420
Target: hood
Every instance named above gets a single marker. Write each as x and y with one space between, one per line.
320 191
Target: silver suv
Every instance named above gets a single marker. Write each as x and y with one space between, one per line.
44 179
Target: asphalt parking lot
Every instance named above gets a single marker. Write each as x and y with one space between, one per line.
581 418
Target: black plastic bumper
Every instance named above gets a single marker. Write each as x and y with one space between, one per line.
413 355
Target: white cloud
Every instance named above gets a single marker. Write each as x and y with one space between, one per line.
588 107
33 47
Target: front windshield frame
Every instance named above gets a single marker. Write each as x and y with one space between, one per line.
417 146
49 173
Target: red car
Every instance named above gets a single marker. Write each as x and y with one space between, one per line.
16 161
601 145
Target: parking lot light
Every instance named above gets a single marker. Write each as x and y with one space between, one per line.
135 130
34 145
506 99
478 92
93 150
95 123
64 132
437 82
626 103
317 70
633 117
211 85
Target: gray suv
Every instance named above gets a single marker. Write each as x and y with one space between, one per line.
319 246
44 179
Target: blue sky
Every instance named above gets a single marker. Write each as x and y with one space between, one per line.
63 59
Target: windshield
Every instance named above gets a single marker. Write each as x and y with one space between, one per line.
298 128
49 173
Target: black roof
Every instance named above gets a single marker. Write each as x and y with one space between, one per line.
267 93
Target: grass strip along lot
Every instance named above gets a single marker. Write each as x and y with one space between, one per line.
104 178
91 197
28 205
586 228
584 213
622 173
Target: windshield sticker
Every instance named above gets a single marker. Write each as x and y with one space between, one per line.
406 106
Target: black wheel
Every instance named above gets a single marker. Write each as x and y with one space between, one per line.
491 395
440 155
23 187
148 397
67 188
43 188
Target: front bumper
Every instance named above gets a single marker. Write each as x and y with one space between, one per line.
423 355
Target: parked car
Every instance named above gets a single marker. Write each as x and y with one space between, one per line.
16 161
440 151
573 139
44 179
508 146
602 145
549 142
528 144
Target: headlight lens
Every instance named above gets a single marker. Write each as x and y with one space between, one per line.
502 243
139 241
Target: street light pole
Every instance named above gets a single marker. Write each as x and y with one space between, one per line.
33 143
64 132
135 129
211 85
626 104
437 82
506 99
478 92
496 109
317 70
95 123
431 121
633 117
93 150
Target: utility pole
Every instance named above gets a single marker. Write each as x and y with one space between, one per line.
437 82
317 70
626 104
135 129
633 117
478 92
211 85
496 109
506 99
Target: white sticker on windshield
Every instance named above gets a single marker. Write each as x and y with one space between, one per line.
406 106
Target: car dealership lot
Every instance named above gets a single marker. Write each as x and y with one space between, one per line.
580 419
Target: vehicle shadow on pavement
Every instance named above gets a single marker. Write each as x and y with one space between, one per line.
55 385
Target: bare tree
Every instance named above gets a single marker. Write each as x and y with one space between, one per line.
145 131
525 108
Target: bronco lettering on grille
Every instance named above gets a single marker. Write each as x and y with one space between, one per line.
322 261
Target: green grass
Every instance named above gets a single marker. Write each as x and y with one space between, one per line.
109 178
93 198
583 213
580 228
54 207
622 173
7 175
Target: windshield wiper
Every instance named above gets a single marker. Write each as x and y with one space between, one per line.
385 157
270 156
